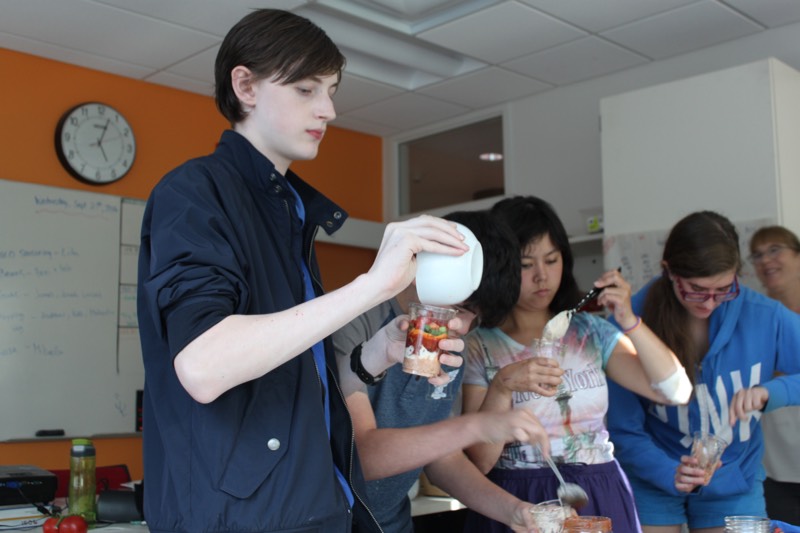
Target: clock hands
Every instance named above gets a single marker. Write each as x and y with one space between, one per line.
103 133
105 158
100 139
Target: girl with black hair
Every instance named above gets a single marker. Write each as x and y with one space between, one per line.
497 380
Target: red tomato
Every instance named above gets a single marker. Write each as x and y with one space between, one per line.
65 524
73 524
430 342
50 525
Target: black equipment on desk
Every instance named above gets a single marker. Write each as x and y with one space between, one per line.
26 484
121 505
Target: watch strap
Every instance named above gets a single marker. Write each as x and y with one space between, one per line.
360 371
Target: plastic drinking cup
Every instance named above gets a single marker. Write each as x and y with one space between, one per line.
707 449
428 326
747 524
549 516
552 350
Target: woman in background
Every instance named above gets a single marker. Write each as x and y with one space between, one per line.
775 254
496 381
731 340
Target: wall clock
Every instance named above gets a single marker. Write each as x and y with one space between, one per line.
95 143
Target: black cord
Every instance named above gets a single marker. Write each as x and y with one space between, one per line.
39 506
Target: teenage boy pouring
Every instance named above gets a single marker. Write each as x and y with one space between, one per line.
403 424
245 426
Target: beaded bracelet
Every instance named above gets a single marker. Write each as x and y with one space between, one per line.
633 327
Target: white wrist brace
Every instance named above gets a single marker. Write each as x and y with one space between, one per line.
676 388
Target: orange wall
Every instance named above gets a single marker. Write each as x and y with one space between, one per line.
171 126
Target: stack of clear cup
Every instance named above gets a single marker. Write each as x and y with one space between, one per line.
747 524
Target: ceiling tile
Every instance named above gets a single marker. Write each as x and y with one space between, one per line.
605 14
179 82
502 32
105 31
199 67
73 57
355 92
213 16
771 14
407 111
485 88
351 123
684 29
576 61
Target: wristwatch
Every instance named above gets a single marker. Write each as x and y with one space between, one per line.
361 372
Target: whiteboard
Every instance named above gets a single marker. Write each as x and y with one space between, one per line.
639 254
60 324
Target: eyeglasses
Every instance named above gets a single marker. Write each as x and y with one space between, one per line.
770 253
698 297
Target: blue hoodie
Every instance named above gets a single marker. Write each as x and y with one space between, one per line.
750 338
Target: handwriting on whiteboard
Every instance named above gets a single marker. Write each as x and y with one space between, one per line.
639 254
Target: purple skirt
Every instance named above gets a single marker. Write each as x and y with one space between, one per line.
607 486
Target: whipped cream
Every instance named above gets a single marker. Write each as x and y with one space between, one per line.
557 326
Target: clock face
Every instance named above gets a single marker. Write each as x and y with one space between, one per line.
95 143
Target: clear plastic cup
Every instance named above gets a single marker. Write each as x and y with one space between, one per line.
707 449
747 524
549 516
428 326
553 350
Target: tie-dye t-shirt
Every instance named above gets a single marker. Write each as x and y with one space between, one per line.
574 419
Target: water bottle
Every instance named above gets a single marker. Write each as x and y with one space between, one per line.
82 480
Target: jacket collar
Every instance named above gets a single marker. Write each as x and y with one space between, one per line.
259 172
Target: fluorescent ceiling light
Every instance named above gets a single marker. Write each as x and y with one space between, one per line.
371 53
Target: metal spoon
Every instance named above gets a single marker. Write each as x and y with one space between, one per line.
570 493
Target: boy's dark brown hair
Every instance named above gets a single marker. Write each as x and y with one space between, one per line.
273 44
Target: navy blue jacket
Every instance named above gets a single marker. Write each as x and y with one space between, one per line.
221 236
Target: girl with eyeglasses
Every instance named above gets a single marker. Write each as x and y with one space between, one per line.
731 340
775 254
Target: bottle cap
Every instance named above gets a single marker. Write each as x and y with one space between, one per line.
82 447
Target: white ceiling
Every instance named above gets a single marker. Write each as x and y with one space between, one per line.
410 62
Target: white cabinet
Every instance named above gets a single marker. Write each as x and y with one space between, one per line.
727 141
